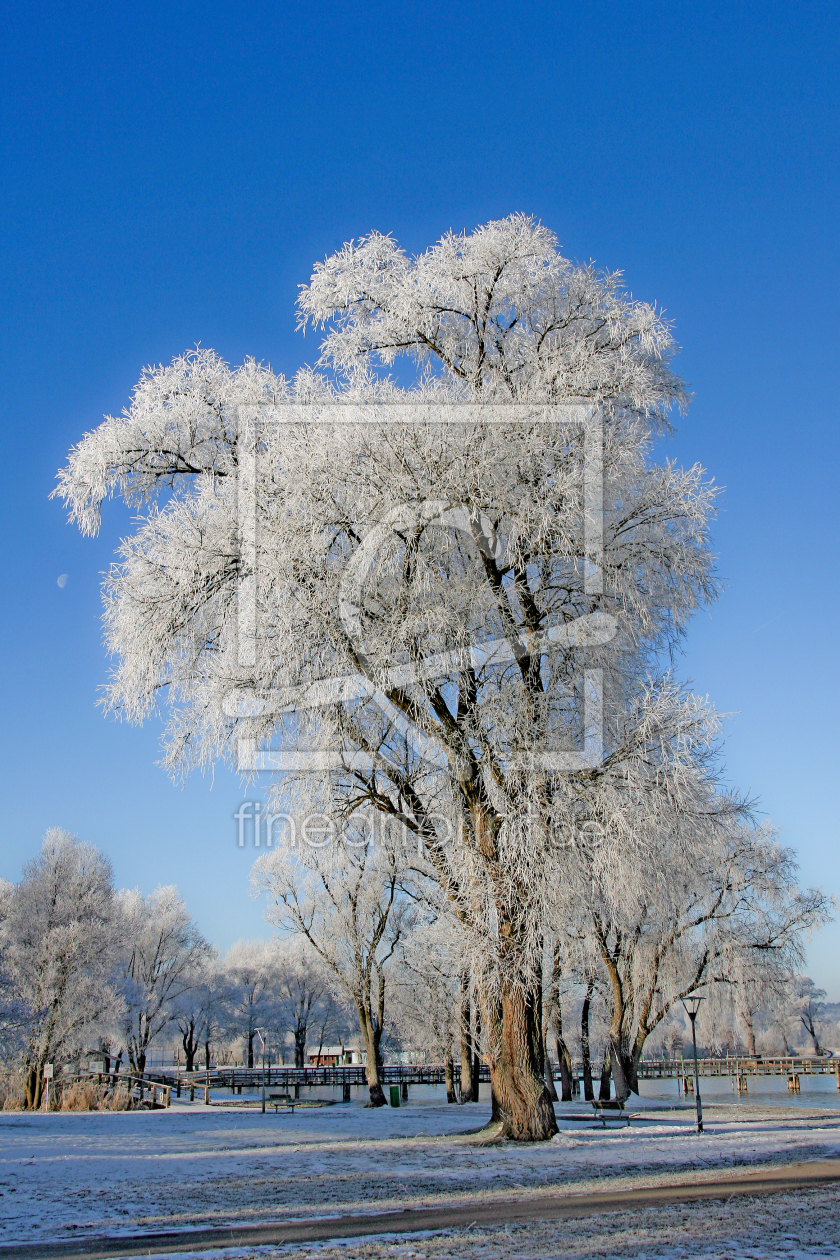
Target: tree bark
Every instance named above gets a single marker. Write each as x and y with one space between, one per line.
521 1102
250 1048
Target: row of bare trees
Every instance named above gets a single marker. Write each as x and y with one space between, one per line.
86 968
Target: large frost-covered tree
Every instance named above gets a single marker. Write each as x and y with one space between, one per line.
438 564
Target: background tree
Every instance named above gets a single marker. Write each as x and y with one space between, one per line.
196 1010
345 900
689 891
164 955
59 938
15 1015
428 984
304 995
809 1005
254 976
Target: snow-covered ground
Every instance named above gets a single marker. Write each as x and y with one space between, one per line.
67 1175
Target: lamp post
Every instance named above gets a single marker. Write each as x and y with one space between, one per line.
691 1002
262 1043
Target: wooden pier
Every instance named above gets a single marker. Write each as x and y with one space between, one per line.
739 1070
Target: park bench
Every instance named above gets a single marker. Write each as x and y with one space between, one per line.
279 1101
610 1110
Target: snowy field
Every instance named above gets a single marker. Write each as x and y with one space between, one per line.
67 1175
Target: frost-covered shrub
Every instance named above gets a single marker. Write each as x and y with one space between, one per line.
11 1089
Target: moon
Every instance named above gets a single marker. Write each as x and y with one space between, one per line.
61 581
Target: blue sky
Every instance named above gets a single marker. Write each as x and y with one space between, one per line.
170 174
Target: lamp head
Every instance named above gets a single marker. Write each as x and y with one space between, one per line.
691 1002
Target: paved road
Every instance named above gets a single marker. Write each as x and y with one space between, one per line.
788 1177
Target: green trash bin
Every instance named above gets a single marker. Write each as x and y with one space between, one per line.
395 1095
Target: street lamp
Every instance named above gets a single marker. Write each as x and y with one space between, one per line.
691 1002
262 1043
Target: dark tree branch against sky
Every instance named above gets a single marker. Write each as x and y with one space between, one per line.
170 174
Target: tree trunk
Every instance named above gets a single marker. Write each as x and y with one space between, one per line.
623 1070
586 1058
564 1059
606 1075
466 1039
554 1015
449 1078
521 1102
250 1049
475 1079
32 1086
207 1055
371 1038
549 1076
564 1062
751 1042
808 1023
190 1044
